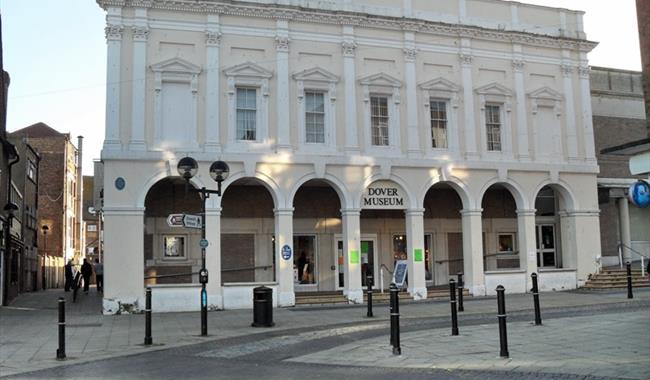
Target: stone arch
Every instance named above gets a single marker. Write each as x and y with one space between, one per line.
410 203
568 196
513 187
459 186
154 179
337 185
269 183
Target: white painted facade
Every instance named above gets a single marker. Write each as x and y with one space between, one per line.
174 73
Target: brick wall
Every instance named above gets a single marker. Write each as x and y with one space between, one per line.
643 15
613 131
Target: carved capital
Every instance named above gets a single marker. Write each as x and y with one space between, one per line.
282 43
349 48
212 38
584 71
465 59
114 32
518 65
410 54
140 33
567 70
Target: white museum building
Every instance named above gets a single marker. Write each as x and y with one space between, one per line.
455 135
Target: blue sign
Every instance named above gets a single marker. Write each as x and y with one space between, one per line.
120 183
203 243
286 252
639 194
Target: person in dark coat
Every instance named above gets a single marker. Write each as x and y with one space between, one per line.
86 272
69 277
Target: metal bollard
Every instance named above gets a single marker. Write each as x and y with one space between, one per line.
452 302
461 284
147 319
369 280
501 314
538 316
629 280
394 320
60 352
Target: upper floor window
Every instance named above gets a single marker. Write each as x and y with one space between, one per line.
493 127
438 124
314 117
31 171
246 114
379 120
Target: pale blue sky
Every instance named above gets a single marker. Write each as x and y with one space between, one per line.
55 52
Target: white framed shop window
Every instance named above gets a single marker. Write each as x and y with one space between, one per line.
245 81
437 93
382 99
495 115
174 247
305 261
175 104
316 109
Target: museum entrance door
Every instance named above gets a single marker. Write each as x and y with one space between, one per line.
368 261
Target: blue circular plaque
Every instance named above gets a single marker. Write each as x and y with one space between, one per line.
639 194
286 252
120 183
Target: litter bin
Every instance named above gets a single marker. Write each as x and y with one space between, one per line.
262 307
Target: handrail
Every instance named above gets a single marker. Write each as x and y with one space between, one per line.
171 275
381 276
632 250
383 266
448 261
265 267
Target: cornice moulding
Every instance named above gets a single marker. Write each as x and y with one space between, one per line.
284 12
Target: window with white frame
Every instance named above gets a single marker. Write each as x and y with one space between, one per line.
379 120
493 127
314 117
246 114
438 109
173 247
31 170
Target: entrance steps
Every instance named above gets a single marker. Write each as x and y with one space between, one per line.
324 298
616 279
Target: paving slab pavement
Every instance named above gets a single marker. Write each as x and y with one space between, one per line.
28 327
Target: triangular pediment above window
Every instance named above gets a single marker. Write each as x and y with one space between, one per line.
440 84
546 93
176 65
381 79
316 74
248 69
494 89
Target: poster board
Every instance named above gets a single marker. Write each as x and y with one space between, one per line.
399 275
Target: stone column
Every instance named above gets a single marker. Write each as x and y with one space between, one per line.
213 258
527 243
471 151
350 81
352 255
212 75
570 115
410 54
282 101
417 286
284 267
587 122
473 251
140 33
123 260
583 229
112 139
624 222
523 150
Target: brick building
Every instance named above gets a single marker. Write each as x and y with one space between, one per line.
58 200
619 117
91 220
643 15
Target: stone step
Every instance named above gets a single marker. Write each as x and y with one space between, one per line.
338 298
614 286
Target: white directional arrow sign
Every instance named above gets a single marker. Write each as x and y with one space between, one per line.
192 221
175 220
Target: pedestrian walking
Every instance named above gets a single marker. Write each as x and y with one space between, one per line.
69 276
99 276
86 272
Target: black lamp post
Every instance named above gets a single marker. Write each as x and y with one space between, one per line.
219 170
44 228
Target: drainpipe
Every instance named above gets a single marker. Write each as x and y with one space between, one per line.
5 270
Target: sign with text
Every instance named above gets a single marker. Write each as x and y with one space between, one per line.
384 195
175 220
192 221
399 275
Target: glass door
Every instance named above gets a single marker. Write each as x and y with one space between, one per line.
368 262
546 252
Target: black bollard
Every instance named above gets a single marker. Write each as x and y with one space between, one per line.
461 284
369 279
60 352
538 315
452 301
394 319
503 333
629 280
147 319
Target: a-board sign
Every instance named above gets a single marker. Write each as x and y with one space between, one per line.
399 275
